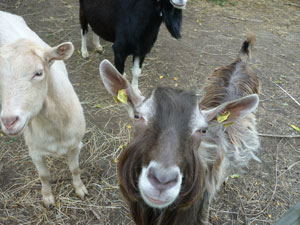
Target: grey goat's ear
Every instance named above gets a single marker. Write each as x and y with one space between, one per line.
233 110
115 82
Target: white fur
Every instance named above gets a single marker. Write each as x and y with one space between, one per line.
198 120
136 73
84 51
47 106
96 42
167 197
146 109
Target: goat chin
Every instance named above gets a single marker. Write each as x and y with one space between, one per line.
17 129
15 132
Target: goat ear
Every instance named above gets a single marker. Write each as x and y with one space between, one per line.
233 110
114 82
60 52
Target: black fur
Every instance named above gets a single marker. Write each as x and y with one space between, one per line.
245 47
132 25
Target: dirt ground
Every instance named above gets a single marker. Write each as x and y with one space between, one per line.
212 36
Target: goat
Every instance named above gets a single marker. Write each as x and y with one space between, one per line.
132 26
37 98
184 148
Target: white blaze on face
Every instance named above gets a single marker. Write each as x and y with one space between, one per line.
22 86
146 109
198 120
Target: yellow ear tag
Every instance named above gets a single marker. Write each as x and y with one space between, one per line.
122 96
223 116
228 124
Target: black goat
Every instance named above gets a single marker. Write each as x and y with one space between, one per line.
132 25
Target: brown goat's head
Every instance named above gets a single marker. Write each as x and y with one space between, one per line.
162 165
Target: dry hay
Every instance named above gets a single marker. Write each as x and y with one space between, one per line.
212 36
20 197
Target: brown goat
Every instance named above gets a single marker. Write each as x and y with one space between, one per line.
183 147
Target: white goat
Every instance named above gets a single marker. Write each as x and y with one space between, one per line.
37 97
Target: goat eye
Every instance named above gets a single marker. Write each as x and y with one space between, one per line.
202 131
38 74
137 117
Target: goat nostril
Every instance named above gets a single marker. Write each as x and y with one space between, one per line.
162 179
171 181
152 176
9 122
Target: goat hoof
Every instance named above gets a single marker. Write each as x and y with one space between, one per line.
49 200
81 192
99 49
84 54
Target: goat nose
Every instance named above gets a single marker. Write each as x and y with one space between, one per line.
9 121
163 178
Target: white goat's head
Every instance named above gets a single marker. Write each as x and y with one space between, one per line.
24 72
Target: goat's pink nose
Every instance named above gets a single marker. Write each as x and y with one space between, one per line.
10 121
163 179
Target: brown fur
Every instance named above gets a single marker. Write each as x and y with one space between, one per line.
201 176
220 86
128 170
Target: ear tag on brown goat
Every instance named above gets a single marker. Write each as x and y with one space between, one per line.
228 124
223 116
122 96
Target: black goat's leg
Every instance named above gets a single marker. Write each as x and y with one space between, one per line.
142 58
120 58
84 30
96 42
137 70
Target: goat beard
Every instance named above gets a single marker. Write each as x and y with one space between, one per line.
129 169
173 19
